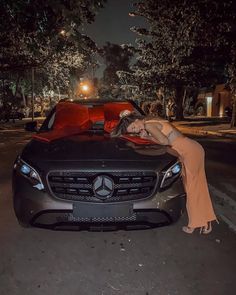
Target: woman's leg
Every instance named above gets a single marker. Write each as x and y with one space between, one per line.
198 204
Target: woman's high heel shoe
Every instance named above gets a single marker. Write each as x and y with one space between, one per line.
188 230
206 229
203 230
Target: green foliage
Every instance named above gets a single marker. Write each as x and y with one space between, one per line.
45 35
117 58
33 31
186 43
232 83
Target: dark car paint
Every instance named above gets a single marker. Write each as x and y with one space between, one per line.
94 151
90 146
41 209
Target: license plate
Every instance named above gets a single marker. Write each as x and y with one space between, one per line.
102 210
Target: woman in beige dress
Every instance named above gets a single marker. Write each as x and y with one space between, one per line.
191 154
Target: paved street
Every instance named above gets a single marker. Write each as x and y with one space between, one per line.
221 171
152 262
84 63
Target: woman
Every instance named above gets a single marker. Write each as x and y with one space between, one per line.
191 154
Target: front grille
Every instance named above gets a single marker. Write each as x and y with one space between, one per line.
78 186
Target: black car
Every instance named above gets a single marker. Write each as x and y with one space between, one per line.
73 175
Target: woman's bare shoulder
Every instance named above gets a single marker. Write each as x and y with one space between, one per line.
158 121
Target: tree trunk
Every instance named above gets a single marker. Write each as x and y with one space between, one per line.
23 96
179 95
17 84
3 87
233 123
41 106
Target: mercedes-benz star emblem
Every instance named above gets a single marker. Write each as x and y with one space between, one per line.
103 187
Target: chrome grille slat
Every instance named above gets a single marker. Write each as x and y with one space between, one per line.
78 186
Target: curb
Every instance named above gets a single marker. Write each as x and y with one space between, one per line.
18 124
206 132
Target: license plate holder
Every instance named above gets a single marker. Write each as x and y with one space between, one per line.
102 210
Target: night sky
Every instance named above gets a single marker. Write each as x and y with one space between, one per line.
112 24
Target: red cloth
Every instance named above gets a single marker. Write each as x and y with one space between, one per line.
71 115
70 119
74 118
57 133
110 125
138 140
96 113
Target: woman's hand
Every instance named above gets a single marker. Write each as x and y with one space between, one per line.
143 133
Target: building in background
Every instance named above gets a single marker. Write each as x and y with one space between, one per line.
216 102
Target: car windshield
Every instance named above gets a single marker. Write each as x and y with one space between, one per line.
101 115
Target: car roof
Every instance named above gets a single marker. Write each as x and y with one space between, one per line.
102 101
98 100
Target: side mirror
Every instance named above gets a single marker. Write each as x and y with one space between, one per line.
31 126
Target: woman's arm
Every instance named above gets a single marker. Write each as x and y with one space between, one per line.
148 150
156 133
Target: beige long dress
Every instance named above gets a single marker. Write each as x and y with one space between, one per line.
192 156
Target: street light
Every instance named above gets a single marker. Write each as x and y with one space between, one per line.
85 88
63 32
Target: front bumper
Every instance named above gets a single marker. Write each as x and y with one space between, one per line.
39 208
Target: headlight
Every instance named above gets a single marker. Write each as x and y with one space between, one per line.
171 174
29 173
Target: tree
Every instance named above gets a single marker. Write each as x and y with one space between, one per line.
45 35
232 83
231 66
184 45
117 58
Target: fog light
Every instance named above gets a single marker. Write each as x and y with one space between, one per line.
34 175
168 174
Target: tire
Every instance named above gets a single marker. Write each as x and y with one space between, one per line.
24 225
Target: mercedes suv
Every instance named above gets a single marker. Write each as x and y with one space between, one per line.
74 175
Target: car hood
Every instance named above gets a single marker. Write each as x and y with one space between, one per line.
94 147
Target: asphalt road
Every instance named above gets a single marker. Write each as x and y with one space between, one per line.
160 261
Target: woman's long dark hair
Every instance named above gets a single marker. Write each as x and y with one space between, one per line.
122 126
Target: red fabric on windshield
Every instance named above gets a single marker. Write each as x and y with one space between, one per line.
96 113
70 115
112 112
70 119
110 125
138 140
57 134
73 119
